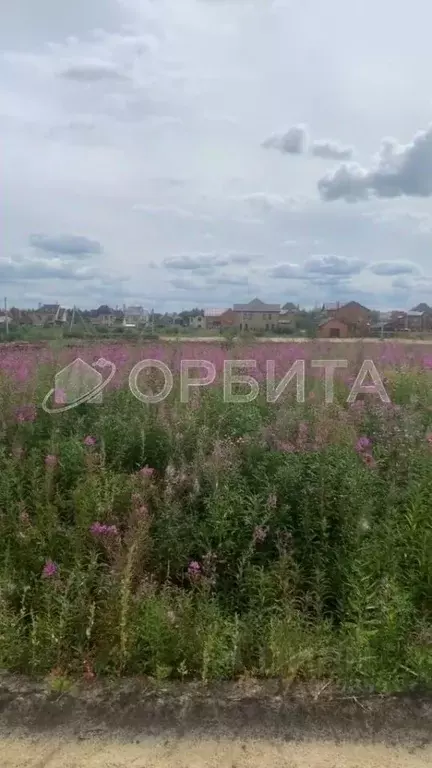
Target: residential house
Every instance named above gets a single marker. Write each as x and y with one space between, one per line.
412 321
287 320
357 317
427 315
5 319
21 316
256 316
219 319
170 319
135 317
104 315
197 321
49 314
333 328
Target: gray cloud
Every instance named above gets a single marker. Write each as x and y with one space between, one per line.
92 71
333 265
206 262
293 142
194 263
265 203
296 142
398 170
285 271
243 258
228 280
394 268
182 284
24 268
67 245
331 150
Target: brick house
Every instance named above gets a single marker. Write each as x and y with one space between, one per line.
218 319
334 328
408 321
357 317
256 316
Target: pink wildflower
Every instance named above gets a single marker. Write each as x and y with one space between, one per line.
25 413
272 500
51 460
89 440
194 568
60 397
101 529
50 569
363 443
369 460
146 471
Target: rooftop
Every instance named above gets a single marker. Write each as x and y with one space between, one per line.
215 312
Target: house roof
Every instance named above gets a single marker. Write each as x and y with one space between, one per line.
354 304
256 305
332 320
289 306
49 308
217 312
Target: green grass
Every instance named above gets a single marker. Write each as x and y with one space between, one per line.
312 563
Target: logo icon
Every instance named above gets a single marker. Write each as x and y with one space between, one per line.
78 383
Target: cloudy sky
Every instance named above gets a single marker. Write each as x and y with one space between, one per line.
178 153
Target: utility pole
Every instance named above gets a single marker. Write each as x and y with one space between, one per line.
72 319
6 317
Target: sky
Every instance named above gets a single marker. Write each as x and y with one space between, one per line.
182 153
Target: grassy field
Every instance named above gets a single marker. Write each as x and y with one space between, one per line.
212 540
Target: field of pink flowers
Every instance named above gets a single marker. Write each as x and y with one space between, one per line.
209 540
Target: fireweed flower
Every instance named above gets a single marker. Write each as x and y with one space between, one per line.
51 460
89 440
25 413
369 460
143 511
146 471
50 569
60 397
194 568
363 443
101 529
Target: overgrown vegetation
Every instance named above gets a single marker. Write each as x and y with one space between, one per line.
210 540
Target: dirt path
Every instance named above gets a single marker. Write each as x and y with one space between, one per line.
299 339
202 753
140 723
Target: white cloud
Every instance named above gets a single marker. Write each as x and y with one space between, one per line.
398 170
333 265
329 149
394 268
138 125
